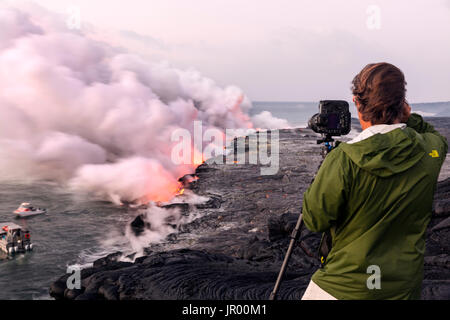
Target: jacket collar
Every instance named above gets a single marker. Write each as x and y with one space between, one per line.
373 130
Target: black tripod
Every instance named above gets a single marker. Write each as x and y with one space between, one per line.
295 235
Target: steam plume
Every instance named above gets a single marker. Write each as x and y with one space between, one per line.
83 112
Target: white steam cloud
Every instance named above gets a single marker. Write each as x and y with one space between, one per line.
267 121
83 112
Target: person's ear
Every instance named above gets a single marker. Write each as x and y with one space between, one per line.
406 112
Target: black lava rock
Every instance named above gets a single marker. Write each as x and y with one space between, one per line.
234 245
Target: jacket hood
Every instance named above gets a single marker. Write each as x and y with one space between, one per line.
386 154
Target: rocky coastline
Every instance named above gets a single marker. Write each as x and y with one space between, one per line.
235 246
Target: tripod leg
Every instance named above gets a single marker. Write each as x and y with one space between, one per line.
294 237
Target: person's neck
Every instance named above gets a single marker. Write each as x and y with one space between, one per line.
364 124
368 124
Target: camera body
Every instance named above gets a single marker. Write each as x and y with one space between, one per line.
333 119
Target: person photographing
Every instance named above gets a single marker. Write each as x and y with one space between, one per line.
373 195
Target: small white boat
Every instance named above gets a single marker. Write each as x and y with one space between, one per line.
26 210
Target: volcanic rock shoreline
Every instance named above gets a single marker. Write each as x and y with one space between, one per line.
234 249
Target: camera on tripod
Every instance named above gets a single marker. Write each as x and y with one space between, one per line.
333 119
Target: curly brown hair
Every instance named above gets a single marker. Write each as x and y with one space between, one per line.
380 91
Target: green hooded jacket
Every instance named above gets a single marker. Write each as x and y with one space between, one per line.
375 196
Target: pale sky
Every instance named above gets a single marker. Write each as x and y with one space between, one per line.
285 50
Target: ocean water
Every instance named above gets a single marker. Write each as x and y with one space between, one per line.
298 113
77 230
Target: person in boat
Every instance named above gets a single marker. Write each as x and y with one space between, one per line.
374 196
